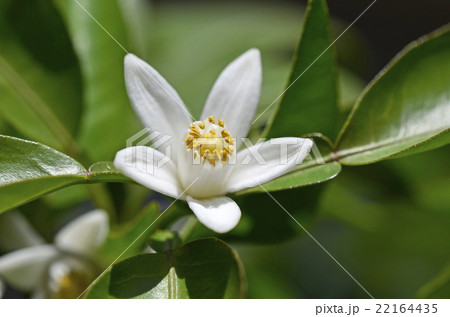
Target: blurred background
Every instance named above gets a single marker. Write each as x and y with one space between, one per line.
388 223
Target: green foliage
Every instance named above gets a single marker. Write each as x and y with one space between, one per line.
29 170
404 110
40 86
106 118
205 268
139 274
310 104
310 100
71 97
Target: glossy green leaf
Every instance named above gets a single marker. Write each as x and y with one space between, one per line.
310 100
404 110
107 113
205 268
29 170
40 84
304 177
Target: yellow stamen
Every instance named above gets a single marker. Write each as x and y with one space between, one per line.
211 141
229 140
228 150
195 132
225 134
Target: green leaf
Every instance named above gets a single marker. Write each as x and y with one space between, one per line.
304 177
205 268
310 101
210 269
40 85
107 113
404 110
29 170
136 275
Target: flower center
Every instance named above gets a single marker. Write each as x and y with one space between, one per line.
68 276
72 284
210 141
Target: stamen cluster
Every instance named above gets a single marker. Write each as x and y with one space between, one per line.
210 140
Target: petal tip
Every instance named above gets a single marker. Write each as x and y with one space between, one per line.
220 214
253 54
254 51
131 61
130 57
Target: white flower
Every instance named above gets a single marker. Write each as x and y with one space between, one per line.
203 165
61 268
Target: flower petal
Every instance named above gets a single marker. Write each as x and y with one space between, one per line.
24 268
84 235
155 102
235 95
16 232
149 168
220 214
265 161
